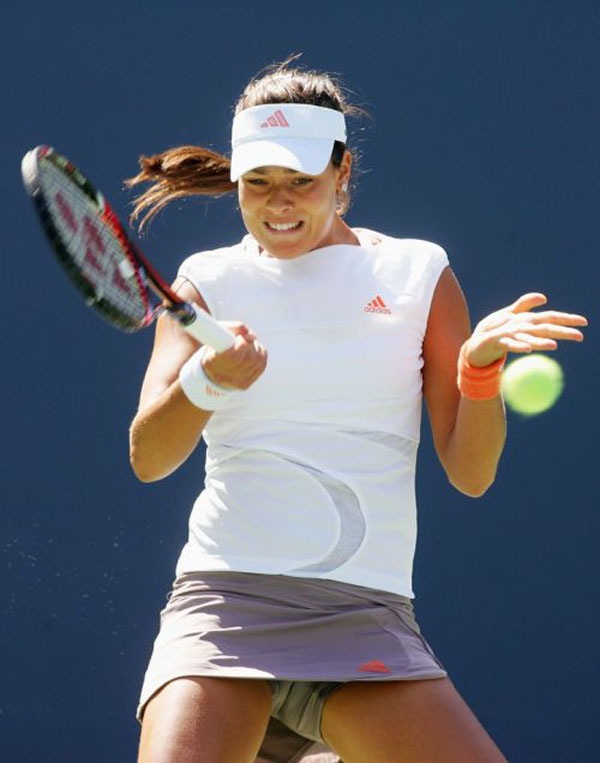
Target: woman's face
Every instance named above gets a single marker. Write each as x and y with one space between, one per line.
290 213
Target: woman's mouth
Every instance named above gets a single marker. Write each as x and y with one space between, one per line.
282 228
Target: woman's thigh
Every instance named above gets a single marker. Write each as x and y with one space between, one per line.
423 721
205 720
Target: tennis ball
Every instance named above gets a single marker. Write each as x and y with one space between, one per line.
532 384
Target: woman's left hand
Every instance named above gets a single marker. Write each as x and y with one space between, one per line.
517 329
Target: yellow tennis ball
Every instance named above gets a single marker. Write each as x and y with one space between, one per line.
532 384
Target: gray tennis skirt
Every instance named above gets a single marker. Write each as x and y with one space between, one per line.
307 637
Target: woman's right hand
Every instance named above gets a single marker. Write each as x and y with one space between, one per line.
240 365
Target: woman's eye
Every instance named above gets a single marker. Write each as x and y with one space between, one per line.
302 181
256 181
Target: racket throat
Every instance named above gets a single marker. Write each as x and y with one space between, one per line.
184 315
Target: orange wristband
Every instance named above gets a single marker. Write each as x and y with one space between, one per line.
479 383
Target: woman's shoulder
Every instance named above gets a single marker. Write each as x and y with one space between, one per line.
395 246
212 260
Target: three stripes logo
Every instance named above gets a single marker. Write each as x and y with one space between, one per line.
277 119
377 305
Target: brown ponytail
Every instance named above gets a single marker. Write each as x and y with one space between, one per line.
175 174
191 170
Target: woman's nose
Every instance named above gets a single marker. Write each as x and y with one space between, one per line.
280 199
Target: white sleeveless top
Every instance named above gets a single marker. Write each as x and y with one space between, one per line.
311 471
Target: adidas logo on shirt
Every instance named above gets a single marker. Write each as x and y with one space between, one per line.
374 666
377 305
277 119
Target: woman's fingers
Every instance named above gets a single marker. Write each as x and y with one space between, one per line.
510 344
504 319
542 330
518 329
524 342
531 336
527 301
535 342
239 329
240 365
252 366
548 325
554 316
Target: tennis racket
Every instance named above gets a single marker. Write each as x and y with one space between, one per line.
95 252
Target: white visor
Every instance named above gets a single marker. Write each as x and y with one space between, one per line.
292 135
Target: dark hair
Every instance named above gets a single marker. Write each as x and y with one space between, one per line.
191 170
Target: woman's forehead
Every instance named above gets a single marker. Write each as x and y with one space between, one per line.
272 170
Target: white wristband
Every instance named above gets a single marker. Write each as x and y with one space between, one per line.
198 388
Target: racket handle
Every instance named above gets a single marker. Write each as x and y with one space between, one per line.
206 330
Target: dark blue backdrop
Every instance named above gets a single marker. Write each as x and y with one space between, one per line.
484 139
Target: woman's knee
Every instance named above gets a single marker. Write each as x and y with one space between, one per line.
196 719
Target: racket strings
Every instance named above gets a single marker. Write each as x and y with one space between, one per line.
94 249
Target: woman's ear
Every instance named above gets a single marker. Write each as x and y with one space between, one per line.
344 172
343 184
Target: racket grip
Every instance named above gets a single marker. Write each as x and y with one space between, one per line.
205 329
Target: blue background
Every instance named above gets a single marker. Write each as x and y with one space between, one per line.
483 138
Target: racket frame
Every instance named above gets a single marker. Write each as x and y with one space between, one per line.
193 319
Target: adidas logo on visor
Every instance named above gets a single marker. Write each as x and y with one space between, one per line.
276 120
377 305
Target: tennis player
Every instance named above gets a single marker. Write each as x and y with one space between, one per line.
289 633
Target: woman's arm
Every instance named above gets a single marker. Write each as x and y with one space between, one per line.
469 434
167 426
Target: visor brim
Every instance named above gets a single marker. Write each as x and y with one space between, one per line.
310 157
